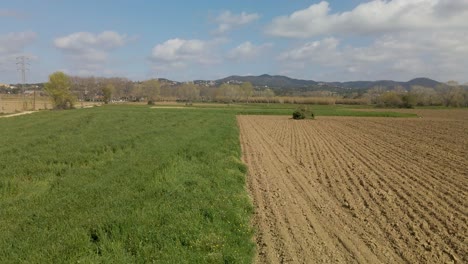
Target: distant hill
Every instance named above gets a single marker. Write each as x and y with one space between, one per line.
275 81
283 82
426 82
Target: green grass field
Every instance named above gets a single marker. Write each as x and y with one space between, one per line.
126 184
123 185
287 109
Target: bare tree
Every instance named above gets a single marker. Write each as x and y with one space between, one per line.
151 90
269 94
425 96
188 92
246 91
228 93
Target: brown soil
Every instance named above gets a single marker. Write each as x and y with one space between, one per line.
358 190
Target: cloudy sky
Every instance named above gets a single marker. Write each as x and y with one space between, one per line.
332 40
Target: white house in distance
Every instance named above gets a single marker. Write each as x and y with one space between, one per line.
5 85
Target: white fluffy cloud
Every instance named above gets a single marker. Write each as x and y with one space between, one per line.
16 42
227 20
179 53
13 45
405 39
88 52
179 49
82 41
373 17
247 50
317 51
403 56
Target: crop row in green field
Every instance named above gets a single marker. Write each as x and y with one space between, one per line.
288 109
123 185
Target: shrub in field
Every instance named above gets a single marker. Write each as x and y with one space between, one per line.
107 92
303 112
393 99
298 115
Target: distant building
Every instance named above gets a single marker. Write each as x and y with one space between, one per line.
5 85
205 83
235 82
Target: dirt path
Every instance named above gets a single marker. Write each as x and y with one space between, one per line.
358 190
18 114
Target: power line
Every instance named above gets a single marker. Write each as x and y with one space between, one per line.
22 65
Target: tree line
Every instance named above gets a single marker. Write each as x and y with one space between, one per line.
66 90
450 95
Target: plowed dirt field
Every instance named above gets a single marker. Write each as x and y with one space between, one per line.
358 190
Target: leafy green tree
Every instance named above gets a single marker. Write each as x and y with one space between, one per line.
247 90
58 88
107 92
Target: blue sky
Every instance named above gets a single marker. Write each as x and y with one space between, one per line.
186 40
